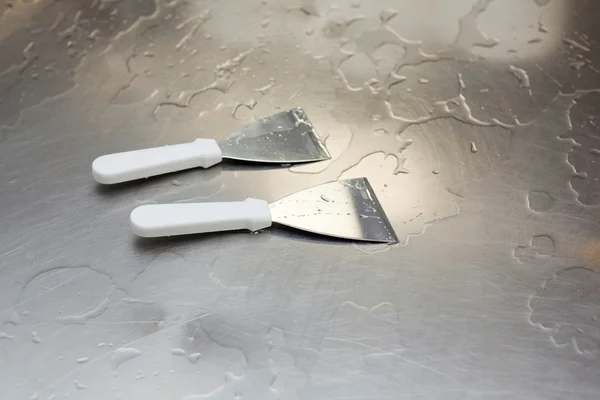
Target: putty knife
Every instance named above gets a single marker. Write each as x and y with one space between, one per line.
286 137
345 209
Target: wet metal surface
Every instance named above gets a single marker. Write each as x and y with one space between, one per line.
476 122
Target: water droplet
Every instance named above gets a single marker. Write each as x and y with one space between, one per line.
83 318
178 352
308 7
577 65
82 360
325 198
435 171
540 201
123 355
79 385
576 45
423 81
469 34
473 147
386 15
194 357
264 90
175 182
521 75
336 28
35 338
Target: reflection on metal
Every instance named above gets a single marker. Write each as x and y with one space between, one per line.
346 209
286 137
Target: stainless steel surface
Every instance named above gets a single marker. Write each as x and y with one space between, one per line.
286 137
346 209
476 123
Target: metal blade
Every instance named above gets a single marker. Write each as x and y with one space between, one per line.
346 209
286 137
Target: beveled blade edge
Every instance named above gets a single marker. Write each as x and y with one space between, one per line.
302 118
394 239
320 145
382 213
281 218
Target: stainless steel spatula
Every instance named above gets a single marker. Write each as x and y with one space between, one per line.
286 137
346 209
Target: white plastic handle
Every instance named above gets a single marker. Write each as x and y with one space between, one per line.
157 220
138 164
